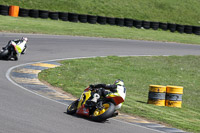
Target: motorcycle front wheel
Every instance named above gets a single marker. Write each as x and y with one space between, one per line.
105 113
71 109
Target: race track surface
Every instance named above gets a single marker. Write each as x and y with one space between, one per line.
25 112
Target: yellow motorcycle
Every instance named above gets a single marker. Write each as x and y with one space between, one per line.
100 110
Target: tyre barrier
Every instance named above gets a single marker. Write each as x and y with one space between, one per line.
63 16
146 24
73 17
127 22
154 25
170 96
180 28
119 22
188 29
4 10
196 30
43 14
23 12
54 15
101 20
110 21
92 19
137 24
163 26
172 27
174 96
82 18
34 13
157 95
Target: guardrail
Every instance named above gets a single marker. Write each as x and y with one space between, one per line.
84 18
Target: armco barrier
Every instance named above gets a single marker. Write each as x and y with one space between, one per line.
127 22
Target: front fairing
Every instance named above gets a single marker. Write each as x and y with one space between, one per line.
81 109
84 97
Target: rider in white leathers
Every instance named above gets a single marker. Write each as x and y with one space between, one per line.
20 47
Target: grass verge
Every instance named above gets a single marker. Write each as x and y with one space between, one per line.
138 73
46 26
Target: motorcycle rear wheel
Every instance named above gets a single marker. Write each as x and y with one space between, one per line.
105 113
71 109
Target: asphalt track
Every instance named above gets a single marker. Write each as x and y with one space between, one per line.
25 112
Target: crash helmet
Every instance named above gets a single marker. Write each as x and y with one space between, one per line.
25 39
119 82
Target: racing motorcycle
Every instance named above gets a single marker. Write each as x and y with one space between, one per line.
10 51
98 109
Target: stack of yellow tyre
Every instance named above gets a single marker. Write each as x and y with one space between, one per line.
170 96
174 96
157 94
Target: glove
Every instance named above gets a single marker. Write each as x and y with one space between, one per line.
91 86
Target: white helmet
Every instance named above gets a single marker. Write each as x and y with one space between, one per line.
25 39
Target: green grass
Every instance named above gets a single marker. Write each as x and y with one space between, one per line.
138 73
47 26
173 11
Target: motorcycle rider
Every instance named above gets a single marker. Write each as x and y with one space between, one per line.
105 90
19 47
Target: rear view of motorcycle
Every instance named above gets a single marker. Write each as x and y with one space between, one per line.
14 49
98 109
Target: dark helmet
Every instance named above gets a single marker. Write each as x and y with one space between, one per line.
119 82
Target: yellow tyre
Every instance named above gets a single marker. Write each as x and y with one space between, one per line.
105 113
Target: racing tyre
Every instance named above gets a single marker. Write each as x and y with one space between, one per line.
4 54
105 113
71 109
